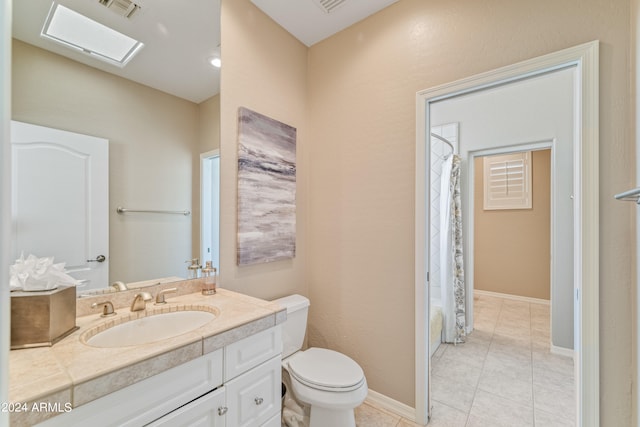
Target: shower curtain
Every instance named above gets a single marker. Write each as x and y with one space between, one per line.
451 260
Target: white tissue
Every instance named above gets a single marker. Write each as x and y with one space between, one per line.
291 418
38 274
293 414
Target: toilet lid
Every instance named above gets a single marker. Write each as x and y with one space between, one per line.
325 369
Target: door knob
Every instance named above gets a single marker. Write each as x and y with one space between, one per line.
222 410
258 400
99 258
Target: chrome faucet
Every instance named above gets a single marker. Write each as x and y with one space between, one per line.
160 297
140 300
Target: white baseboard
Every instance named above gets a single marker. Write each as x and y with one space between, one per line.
512 297
381 401
561 351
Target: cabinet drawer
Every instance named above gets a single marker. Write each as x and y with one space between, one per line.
145 401
254 397
243 355
209 410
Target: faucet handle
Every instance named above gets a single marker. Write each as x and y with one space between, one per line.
139 301
107 308
160 298
119 286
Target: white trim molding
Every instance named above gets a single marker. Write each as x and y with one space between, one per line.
585 58
512 297
561 351
381 401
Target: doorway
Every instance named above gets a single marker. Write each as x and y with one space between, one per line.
511 246
582 196
210 206
506 372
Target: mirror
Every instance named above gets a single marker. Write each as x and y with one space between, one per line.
160 113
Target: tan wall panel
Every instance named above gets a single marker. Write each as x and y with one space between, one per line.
358 161
362 86
512 248
265 70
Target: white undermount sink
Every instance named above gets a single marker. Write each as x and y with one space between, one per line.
151 328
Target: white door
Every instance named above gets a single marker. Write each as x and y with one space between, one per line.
60 200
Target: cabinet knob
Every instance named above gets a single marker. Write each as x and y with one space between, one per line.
258 400
222 410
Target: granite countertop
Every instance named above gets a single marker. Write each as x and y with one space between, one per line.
72 372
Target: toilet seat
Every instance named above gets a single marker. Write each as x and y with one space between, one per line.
326 370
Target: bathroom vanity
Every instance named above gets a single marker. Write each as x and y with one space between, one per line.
226 372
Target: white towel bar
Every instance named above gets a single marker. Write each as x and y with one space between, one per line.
630 195
122 210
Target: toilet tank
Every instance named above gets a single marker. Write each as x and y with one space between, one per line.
294 328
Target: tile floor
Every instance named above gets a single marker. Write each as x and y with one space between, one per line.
504 375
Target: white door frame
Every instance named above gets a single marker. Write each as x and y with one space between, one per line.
205 199
5 198
586 216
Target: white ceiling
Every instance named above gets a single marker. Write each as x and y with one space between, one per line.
309 23
179 39
181 36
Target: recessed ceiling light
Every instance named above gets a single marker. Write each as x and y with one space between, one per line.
74 30
216 62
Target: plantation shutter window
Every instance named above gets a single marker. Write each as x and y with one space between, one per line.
507 181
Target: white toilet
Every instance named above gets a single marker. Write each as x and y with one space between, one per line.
331 383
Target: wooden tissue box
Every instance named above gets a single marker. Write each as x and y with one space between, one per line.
40 319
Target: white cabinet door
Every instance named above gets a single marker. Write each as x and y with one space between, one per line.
60 199
243 355
206 411
254 397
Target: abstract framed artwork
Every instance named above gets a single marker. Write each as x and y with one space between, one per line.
266 189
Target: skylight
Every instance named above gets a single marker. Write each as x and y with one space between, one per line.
74 30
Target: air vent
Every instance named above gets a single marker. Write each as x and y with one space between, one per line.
329 6
124 8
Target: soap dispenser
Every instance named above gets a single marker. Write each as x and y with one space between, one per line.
193 268
209 273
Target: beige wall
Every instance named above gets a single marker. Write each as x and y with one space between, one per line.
265 70
635 136
209 125
362 85
512 248
153 149
208 140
